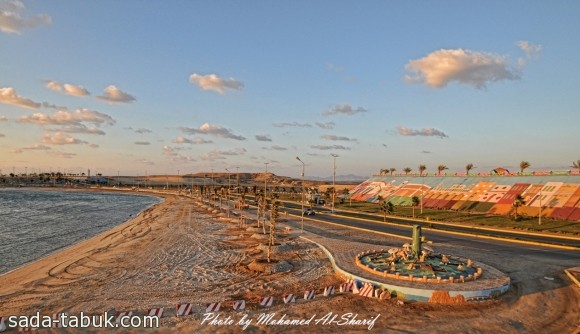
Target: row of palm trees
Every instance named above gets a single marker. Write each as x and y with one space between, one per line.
422 168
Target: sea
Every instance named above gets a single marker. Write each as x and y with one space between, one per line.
36 223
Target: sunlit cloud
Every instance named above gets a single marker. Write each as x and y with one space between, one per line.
115 95
37 147
60 138
9 96
221 155
293 124
344 109
81 128
214 82
142 143
471 68
263 138
337 138
425 132
196 141
529 48
173 155
11 21
329 147
327 125
214 130
63 155
65 117
68 89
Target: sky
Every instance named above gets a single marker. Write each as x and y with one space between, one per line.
141 87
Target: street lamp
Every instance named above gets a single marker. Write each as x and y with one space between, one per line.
302 202
228 192
265 179
333 179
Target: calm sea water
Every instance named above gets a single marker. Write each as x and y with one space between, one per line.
35 223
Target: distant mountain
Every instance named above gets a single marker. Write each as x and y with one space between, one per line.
340 178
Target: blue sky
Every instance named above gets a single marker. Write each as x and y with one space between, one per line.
160 86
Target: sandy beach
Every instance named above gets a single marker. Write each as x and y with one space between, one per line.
178 252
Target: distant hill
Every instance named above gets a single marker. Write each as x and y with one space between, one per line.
349 178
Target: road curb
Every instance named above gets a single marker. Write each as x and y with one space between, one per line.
572 277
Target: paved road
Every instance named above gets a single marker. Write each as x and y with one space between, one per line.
402 226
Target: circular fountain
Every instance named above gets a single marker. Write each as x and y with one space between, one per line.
417 270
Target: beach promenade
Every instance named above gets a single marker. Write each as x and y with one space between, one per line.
177 252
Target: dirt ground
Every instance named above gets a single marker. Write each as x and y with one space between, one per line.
178 252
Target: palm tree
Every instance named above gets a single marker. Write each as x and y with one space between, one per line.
524 165
416 201
407 170
392 170
387 208
383 171
469 167
576 164
519 201
422 168
441 168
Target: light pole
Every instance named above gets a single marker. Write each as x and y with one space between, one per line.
266 179
238 178
540 209
334 156
228 192
302 202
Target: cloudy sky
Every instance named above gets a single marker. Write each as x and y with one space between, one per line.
160 86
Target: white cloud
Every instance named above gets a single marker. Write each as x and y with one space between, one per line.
221 155
275 148
64 155
334 67
263 138
11 21
467 67
115 95
60 138
65 117
425 132
330 147
143 130
327 125
37 147
345 109
172 154
293 124
81 128
337 138
529 48
214 82
214 130
9 96
196 140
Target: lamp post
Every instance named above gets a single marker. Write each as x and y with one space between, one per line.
228 192
334 156
302 202
265 179
540 209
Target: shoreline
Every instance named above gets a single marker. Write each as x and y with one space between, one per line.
56 251
178 252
